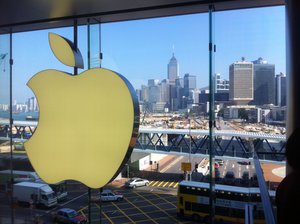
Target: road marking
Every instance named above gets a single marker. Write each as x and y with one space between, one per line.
150 182
165 183
176 221
123 212
139 208
104 214
232 165
82 213
156 182
166 201
171 164
247 167
175 185
62 205
160 184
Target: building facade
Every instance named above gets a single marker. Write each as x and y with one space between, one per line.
241 82
264 83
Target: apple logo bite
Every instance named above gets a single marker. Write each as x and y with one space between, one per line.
88 123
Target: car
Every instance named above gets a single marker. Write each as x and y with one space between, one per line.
229 177
217 166
68 215
108 195
220 161
136 182
246 177
244 162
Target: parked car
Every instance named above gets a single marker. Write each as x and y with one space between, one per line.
229 177
68 215
136 182
244 162
219 161
245 175
108 195
217 166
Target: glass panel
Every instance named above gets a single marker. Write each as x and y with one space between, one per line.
32 54
250 97
5 146
211 113
95 43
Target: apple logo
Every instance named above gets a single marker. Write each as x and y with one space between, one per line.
88 123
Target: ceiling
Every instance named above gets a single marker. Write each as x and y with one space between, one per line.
29 15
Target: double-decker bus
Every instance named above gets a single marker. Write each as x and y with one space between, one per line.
233 204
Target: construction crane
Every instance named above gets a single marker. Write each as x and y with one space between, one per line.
3 60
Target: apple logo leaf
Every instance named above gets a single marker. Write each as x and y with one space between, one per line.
65 51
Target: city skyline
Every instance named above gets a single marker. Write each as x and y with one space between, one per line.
144 49
252 83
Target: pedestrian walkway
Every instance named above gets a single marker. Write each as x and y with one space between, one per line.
273 172
164 184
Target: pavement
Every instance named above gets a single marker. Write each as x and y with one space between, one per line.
272 172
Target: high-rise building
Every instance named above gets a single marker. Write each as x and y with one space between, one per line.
221 85
145 93
176 94
164 91
241 82
281 90
172 70
263 82
189 83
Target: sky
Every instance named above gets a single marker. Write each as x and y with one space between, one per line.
141 49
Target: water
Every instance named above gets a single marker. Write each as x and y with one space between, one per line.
19 116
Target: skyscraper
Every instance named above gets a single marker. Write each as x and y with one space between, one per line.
172 70
241 82
264 83
189 84
280 95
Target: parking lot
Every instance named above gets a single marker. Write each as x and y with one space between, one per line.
138 206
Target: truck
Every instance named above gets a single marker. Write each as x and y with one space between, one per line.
39 194
60 189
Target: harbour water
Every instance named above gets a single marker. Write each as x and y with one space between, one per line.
18 116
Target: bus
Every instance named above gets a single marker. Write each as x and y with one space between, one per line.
231 205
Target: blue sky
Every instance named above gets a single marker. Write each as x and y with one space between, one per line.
141 49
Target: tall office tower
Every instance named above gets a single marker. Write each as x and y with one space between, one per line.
139 94
221 85
30 104
145 93
172 70
241 82
281 90
164 91
176 94
35 105
189 83
263 82
153 82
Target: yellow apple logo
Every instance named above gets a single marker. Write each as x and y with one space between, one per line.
88 123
